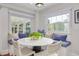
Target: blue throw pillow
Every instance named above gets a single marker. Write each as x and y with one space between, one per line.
56 37
59 37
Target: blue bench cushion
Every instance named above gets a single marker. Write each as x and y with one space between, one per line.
66 44
22 35
59 37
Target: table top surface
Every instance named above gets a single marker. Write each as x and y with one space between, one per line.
41 42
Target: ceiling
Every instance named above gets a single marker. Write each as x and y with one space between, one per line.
27 7
33 7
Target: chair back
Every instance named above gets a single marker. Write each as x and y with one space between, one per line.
17 49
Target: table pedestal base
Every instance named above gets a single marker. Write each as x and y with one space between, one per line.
37 49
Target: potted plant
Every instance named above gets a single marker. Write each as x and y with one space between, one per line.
35 35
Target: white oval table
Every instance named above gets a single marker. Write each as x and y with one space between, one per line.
41 42
36 44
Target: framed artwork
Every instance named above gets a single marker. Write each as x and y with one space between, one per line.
76 16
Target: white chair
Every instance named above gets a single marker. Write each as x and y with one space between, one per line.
21 51
52 49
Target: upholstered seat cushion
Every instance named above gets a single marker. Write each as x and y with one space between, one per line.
66 44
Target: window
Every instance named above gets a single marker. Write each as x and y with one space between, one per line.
58 23
20 24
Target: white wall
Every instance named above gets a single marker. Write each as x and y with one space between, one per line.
35 22
74 28
0 33
4 28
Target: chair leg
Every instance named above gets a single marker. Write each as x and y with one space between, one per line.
32 55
